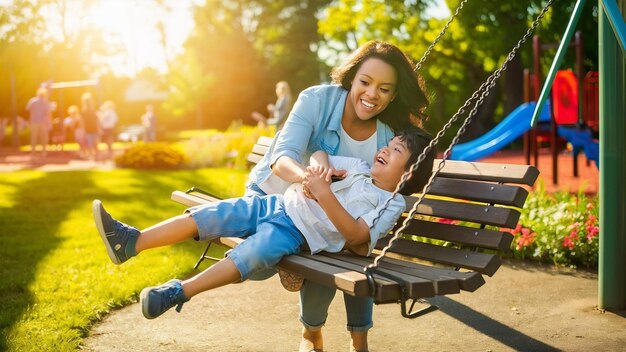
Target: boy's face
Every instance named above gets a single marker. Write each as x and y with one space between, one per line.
389 164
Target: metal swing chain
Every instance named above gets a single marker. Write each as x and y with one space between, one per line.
483 91
443 31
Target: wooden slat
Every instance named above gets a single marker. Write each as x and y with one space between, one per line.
419 284
491 193
470 236
478 213
504 173
259 149
254 158
467 280
484 263
191 200
265 141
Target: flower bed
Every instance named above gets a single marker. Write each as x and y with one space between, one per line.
562 228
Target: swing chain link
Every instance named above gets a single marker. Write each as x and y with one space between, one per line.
481 93
443 31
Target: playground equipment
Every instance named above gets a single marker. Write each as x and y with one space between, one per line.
574 116
564 121
512 127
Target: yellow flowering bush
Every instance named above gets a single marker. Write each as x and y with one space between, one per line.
151 156
229 148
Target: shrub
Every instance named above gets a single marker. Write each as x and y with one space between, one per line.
229 148
562 228
151 156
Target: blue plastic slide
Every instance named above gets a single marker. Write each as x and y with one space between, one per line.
508 130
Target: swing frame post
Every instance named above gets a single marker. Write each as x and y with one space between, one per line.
612 77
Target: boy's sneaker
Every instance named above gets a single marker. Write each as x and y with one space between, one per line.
158 299
115 235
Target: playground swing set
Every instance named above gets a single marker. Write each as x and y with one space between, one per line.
442 257
450 255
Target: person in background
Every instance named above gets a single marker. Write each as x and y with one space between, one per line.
74 122
148 120
108 121
277 112
92 126
40 121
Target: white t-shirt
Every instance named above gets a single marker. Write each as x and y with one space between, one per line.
357 194
108 119
364 150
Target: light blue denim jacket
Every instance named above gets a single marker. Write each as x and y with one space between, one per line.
313 124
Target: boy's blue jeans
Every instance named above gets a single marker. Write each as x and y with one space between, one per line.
315 298
270 234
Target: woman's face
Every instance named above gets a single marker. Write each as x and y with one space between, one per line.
373 88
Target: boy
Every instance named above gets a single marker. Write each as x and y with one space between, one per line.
324 215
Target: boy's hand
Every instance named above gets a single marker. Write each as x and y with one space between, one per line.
317 180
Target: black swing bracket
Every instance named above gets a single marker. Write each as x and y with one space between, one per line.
403 301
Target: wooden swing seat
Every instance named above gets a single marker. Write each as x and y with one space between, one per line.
454 240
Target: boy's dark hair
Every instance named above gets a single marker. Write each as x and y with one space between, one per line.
417 140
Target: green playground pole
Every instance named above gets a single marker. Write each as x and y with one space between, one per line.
612 82
558 59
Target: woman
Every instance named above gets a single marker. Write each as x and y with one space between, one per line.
373 93
277 112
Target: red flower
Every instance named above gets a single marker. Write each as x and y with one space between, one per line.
570 240
526 239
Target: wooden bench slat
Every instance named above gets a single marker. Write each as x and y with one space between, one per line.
478 213
467 280
259 149
254 158
419 286
484 263
504 173
470 236
419 283
479 191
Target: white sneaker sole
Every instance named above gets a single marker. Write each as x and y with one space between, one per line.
144 302
97 217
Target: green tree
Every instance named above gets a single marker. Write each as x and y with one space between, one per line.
243 48
476 43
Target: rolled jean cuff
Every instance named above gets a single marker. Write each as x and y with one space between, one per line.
359 328
312 327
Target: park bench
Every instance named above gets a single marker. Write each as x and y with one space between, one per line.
453 241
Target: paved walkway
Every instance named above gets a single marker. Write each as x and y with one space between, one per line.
523 307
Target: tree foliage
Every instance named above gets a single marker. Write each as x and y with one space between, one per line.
238 51
475 44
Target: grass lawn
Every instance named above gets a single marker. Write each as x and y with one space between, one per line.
56 277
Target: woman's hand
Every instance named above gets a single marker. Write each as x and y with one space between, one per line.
337 175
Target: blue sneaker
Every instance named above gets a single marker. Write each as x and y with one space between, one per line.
115 235
159 299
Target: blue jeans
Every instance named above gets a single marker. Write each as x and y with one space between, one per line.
315 298
270 234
